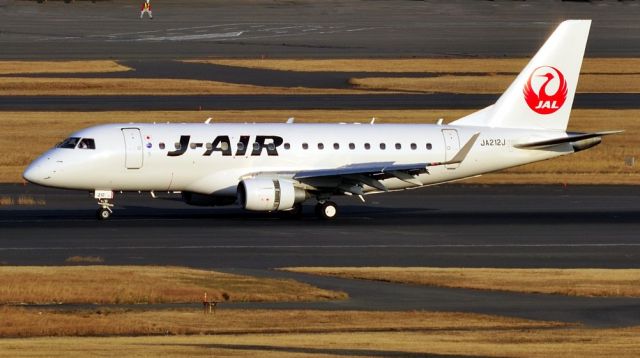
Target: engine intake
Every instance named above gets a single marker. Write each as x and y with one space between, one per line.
266 194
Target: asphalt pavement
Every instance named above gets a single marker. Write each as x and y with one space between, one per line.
443 226
306 28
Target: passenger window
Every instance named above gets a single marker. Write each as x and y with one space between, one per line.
367 146
68 143
287 146
429 146
178 145
320 146
240 146
336 146
209 146
305 146
383 146
352 146
414 146
161 145
271 147
87 143
256 146
192 145
398 146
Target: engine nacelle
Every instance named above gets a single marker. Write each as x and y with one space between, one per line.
266 194
206 200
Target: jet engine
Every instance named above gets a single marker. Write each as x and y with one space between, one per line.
206 200
267 194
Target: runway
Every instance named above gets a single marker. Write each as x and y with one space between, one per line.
255 102
305 29
457 226
447 226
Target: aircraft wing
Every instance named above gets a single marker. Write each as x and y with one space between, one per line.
350 178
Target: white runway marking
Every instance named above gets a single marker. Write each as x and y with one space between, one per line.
223 35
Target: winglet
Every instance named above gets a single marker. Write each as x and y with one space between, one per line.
464 151
459 157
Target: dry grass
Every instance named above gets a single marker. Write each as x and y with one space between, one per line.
22 322
570 282
84 260
605 160
23 67
25 200
589 83
144 284
426 65
574 342
22 86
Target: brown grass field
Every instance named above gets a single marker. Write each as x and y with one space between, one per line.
517 342
603 164
570 282
34 322
98 66
38 86
148 332
589 83
143 284
42 86
25 200
610 75
424 65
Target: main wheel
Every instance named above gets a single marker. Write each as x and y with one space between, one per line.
327 210
103 214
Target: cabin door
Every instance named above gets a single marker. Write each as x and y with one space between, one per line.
133 148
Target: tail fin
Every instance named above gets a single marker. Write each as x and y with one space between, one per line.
542 95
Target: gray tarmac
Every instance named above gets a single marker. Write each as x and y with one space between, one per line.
305 28
444 226
256 102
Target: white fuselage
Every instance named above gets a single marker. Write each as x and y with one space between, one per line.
146 157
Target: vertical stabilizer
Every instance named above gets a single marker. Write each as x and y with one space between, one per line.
542 95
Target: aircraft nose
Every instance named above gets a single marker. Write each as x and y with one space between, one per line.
37 172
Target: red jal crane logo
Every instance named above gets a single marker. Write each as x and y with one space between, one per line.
545 79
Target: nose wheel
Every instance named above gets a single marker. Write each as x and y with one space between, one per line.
103 214
326 210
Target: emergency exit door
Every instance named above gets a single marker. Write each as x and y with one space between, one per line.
133 148
451 146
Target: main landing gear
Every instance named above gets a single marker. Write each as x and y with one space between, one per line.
326 210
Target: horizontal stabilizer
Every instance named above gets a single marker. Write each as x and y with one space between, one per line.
571 137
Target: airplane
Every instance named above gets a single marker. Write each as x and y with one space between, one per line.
273 167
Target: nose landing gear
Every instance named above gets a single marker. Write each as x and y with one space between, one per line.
103 197
105 210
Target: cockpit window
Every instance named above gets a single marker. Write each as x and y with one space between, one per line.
68 143
87 143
